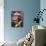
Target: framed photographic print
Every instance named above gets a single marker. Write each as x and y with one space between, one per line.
17 18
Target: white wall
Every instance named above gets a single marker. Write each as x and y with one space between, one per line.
1 21
43 6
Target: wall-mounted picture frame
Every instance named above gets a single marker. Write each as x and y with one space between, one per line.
17 18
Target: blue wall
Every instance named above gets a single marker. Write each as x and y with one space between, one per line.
29 7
